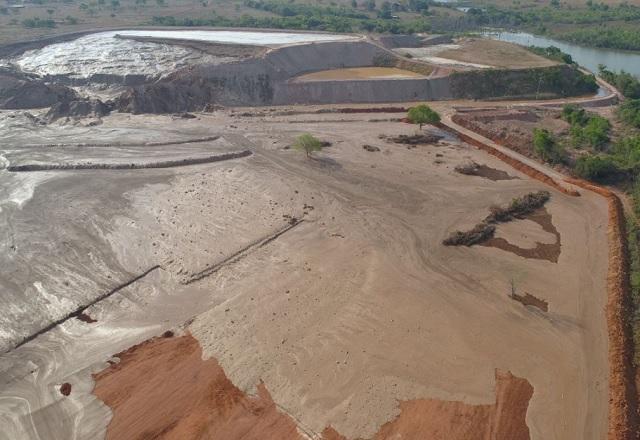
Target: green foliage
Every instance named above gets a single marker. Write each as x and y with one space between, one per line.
289 9
610 37
38 23
626 153
289 15
587 130
574 114
625 82
596 167
423 114
70 20
553 53
546 147
629 112
307 143
558 80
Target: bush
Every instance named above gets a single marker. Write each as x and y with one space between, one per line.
629 112
481 232
38 23
586 129
307 143
594 134
596 168
574 114
546 147
518 208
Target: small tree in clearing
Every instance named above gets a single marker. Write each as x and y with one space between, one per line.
307 143
423 114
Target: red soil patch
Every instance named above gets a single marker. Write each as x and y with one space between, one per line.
441 420
163 389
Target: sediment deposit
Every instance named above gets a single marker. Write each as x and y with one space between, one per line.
296 297
351 319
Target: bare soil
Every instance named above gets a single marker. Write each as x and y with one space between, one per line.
163 389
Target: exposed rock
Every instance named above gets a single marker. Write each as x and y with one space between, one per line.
21 91
79 108
370 148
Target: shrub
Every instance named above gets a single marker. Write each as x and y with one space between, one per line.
481 232
518 208
38 23
629 112
546 147
307 143
574 114
596 167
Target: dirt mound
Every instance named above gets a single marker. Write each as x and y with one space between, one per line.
20 91
163 389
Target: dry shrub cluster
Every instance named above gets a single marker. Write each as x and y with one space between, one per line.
519 207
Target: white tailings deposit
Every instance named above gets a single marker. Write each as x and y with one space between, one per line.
104 53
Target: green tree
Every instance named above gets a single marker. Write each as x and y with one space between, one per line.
422 114
307 143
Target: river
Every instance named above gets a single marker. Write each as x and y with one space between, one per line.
588 57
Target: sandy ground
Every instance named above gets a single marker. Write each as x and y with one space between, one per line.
478 53
342 317
359 73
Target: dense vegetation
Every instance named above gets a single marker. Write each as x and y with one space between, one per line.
629 112
625 82
611 38
587 130
554 81
290 15
553 53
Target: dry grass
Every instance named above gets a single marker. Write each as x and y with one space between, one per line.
495 53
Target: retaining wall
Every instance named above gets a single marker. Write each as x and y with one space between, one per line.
368 91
